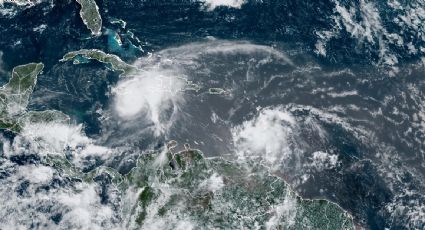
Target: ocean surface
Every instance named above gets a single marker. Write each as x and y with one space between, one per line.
328 94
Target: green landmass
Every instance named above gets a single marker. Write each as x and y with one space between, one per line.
43 116
114 61
217 194
210 193
90 15
15 95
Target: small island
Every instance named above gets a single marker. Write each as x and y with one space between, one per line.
216 91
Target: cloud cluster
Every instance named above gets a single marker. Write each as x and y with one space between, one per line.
212 4
27 203
150 94
268 135
55 138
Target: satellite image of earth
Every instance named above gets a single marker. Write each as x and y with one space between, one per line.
212 114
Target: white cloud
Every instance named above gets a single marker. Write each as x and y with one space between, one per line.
363 22
369 26
187 54
86 211
150 93
323 160
36 174
10 12
2 71
94 150
267 135
55 138
173 219
214 183
40 28
408 208
212 4
78 203
19 2
283 213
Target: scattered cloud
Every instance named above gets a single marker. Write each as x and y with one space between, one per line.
323 160
374 28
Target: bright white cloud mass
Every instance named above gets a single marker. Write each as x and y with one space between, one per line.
212 4
149 94
268 135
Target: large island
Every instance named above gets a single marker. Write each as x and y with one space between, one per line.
112 60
